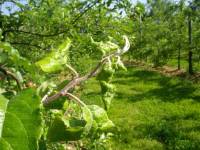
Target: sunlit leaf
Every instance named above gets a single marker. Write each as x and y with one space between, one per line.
56 60
100 117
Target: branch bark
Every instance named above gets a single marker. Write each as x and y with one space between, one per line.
8 73
74 82
77 80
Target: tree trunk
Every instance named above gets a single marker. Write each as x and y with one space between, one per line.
179 58
190 69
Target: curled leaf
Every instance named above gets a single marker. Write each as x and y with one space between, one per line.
105 47
56 60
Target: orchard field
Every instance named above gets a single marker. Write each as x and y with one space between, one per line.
99 75
152 111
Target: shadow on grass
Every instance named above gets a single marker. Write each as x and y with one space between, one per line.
169 132
174 131
170 93
144 74
169 89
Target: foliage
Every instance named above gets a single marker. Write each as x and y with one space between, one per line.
12 56
21 121
161 30
14 66
84 121
40 41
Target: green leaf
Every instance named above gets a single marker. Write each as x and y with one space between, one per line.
22 126
70 129
87 115
55 60
13 57
4 145
63 129
1 34
3 58
100 118
3 106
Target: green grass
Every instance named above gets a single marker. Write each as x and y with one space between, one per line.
151 111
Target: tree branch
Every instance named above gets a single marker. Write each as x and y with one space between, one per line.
32 33
8 73
88 7
76 81
58 33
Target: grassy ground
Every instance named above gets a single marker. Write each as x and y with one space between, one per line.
184 64
152 112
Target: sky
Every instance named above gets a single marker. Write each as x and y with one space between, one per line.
143 1
6 4
10 4
3 7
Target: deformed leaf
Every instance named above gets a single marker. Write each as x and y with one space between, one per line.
100 117
108 91
107 99
106 73
120 65
107 87
105 47
55 60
